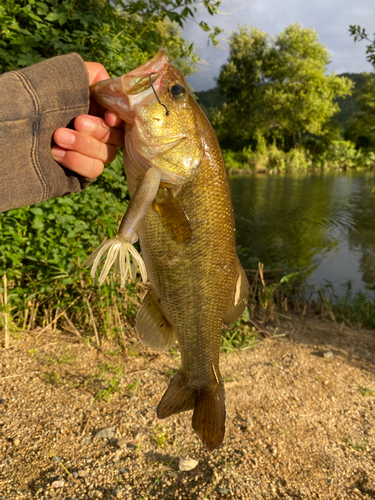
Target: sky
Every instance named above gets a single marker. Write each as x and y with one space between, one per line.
330 18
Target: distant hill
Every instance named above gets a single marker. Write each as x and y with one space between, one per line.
210 99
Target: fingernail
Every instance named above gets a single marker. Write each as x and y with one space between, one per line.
58 153
87 125
66 138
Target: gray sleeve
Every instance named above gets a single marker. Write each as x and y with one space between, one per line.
34 102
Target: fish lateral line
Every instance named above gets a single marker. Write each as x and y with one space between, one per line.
156 95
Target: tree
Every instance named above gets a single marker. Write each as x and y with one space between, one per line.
361 129
360 34
277 87
121 34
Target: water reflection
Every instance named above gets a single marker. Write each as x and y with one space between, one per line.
324 222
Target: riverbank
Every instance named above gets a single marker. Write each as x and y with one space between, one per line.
300 419
269 159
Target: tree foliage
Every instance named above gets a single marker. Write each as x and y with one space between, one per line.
42 247
120 34
360 34
277 87
361 128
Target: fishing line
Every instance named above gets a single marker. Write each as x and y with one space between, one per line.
156 95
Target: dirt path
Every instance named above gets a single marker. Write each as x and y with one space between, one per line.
300 425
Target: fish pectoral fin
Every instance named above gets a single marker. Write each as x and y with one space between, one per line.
172 216
152 327
239 298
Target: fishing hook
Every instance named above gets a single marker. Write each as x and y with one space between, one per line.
156 95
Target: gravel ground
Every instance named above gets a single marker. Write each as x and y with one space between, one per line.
300 424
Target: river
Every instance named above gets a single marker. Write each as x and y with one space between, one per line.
322 222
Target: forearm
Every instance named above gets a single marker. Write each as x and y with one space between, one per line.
34 102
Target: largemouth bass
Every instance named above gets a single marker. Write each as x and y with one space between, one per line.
181 211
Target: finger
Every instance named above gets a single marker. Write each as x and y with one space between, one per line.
98 128
81 164
112 120
84 144
97 72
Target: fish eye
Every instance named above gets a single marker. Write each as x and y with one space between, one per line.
178 92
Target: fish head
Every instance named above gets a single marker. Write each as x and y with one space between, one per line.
163 132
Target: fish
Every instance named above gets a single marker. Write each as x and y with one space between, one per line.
181 212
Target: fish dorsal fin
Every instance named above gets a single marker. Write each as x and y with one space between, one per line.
172 216
152 327
239 297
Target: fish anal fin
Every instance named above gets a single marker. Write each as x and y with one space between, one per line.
239 298
177 398
172 216
208 404
152 327
209 415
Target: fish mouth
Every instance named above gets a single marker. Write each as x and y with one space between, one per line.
123 94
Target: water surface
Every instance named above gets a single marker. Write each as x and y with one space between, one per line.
322 222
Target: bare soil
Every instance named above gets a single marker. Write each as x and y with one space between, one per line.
300 424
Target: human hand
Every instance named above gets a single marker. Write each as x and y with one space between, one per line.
96 136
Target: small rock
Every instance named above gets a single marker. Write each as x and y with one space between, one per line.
107 432
55 458
222 491
186 464
121 443
57 484
75 474
86 440
123 470
89 460
16 441
83 473
328 354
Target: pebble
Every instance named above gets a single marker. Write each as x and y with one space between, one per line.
328 354
186 464
123 470
107 432
16 441
83 473
86 440
75 474
121 443
222 491
57 484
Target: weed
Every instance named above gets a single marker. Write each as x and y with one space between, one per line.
239 336
67 358
53 378
133 352
160 437
110 377
356 447
366 391
132 387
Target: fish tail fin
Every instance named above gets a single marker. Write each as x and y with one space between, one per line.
209 415
208 404
177 398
